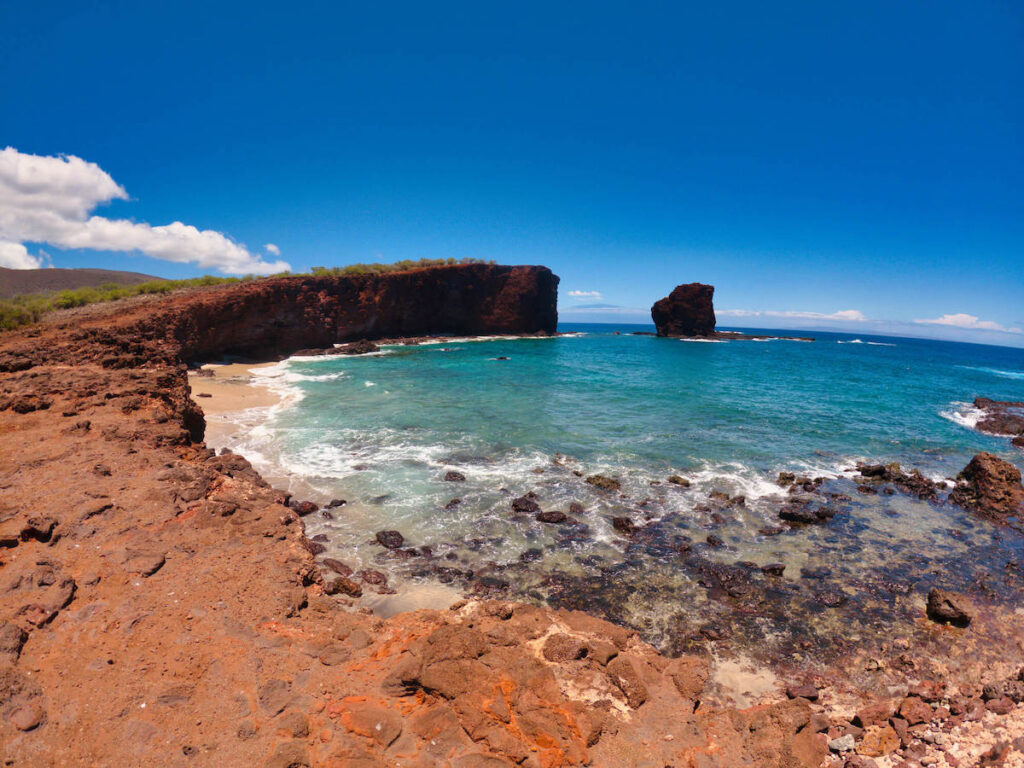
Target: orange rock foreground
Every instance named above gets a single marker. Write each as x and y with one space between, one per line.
158 606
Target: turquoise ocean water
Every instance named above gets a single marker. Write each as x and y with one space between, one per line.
381 431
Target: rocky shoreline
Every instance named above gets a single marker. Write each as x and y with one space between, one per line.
161 604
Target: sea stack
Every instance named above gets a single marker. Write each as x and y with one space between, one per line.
687 311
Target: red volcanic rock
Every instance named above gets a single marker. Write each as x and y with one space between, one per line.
1001 417
687 311
235 649
273 318
989 486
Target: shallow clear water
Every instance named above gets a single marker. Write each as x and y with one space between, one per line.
382 430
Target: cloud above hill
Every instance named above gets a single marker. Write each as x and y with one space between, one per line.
45 199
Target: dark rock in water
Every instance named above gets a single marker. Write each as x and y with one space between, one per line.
326 515
948 608
575 508
501 357
390 539
343 585
454 477
990 487
552 516
809 572
799 513
773 569
624 525
786 479
715 541
303 508
773 530
453 504
1002 417
604 483
371 576
830 599
333 503
912 482
380 499
315 547
321 537
525 504
337 566
488 585
531 555
360 347
678 480
687 311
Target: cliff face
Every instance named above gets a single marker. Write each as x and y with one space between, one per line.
272 318
687 311
281 316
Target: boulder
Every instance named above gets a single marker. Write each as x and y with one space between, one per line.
947 608
687 311
990 487
604 483
390 539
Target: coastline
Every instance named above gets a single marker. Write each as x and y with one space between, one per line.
188 591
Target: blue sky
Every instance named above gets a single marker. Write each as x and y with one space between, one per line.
805 158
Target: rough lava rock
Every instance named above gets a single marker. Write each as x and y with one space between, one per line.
990 487
687 311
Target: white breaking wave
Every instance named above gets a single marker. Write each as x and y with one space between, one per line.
964 414
995 372
705 341
869 343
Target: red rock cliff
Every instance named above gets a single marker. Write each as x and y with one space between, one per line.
272 318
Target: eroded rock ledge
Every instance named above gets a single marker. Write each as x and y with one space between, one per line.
159 604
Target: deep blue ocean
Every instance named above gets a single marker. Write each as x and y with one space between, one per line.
538 415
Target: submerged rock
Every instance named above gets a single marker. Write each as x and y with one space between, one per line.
552 516
390 539
454 477
525 504
948 608
603 482
624 525
912 482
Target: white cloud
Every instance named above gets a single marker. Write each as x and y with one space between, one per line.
847 315
271 248
16 256
963 320
50 199
586 294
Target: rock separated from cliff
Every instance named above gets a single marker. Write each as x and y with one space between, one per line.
687 311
